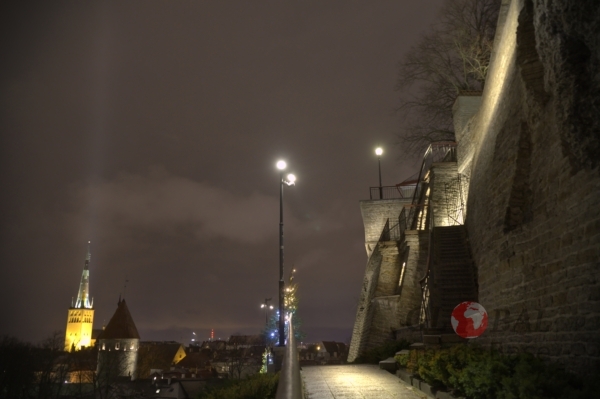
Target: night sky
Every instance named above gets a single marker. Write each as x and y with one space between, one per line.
153 128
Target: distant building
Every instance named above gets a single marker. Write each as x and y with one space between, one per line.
331 352
158 355
81 313
118 344
214 345
245 341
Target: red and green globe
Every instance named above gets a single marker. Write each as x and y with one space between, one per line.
469 319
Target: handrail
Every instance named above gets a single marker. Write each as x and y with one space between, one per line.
428 278
388 233
392 192
290 381
441 151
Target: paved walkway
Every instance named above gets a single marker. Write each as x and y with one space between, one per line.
354 381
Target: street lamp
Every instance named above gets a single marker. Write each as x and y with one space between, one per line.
267 307
290 181
378 152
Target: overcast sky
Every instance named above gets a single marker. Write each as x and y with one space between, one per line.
152 129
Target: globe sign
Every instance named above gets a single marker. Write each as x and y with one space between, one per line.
469 319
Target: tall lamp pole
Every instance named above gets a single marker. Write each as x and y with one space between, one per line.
378 152
266 307
281 165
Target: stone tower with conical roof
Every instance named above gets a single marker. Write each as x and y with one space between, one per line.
81 313
118 345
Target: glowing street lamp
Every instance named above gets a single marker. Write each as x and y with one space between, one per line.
378 152
290 181
266 307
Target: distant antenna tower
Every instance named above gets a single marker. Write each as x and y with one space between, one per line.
212 334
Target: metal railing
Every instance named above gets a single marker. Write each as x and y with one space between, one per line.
455 201
392 192
408 220
427 281
290 380
442 151
388 233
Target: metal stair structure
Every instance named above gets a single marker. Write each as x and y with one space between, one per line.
452 280
451 276
420 267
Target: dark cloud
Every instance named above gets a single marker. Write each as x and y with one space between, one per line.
153 129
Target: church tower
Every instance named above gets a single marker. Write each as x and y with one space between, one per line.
81 313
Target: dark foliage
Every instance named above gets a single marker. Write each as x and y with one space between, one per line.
258 386
451 58
477 373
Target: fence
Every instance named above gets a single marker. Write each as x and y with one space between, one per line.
392 192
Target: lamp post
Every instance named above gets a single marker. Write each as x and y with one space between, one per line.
378 152
281 165
266 307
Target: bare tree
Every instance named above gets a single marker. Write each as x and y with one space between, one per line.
108 373
451 58
82 371
242 362
32 371
51 366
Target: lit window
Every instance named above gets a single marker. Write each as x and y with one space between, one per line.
117 346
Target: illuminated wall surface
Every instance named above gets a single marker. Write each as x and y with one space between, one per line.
79 328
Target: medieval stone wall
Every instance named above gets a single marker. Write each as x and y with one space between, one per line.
375 213
414 254
364 313
391 295
532 153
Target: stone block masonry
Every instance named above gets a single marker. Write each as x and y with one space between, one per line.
390 296
375 213
364 313
532 153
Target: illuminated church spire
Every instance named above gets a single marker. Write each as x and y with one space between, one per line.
80 316
83 297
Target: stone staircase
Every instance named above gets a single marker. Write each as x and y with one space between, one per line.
452 280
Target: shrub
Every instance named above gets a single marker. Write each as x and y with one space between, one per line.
480 374
402 360
482 378
258 386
